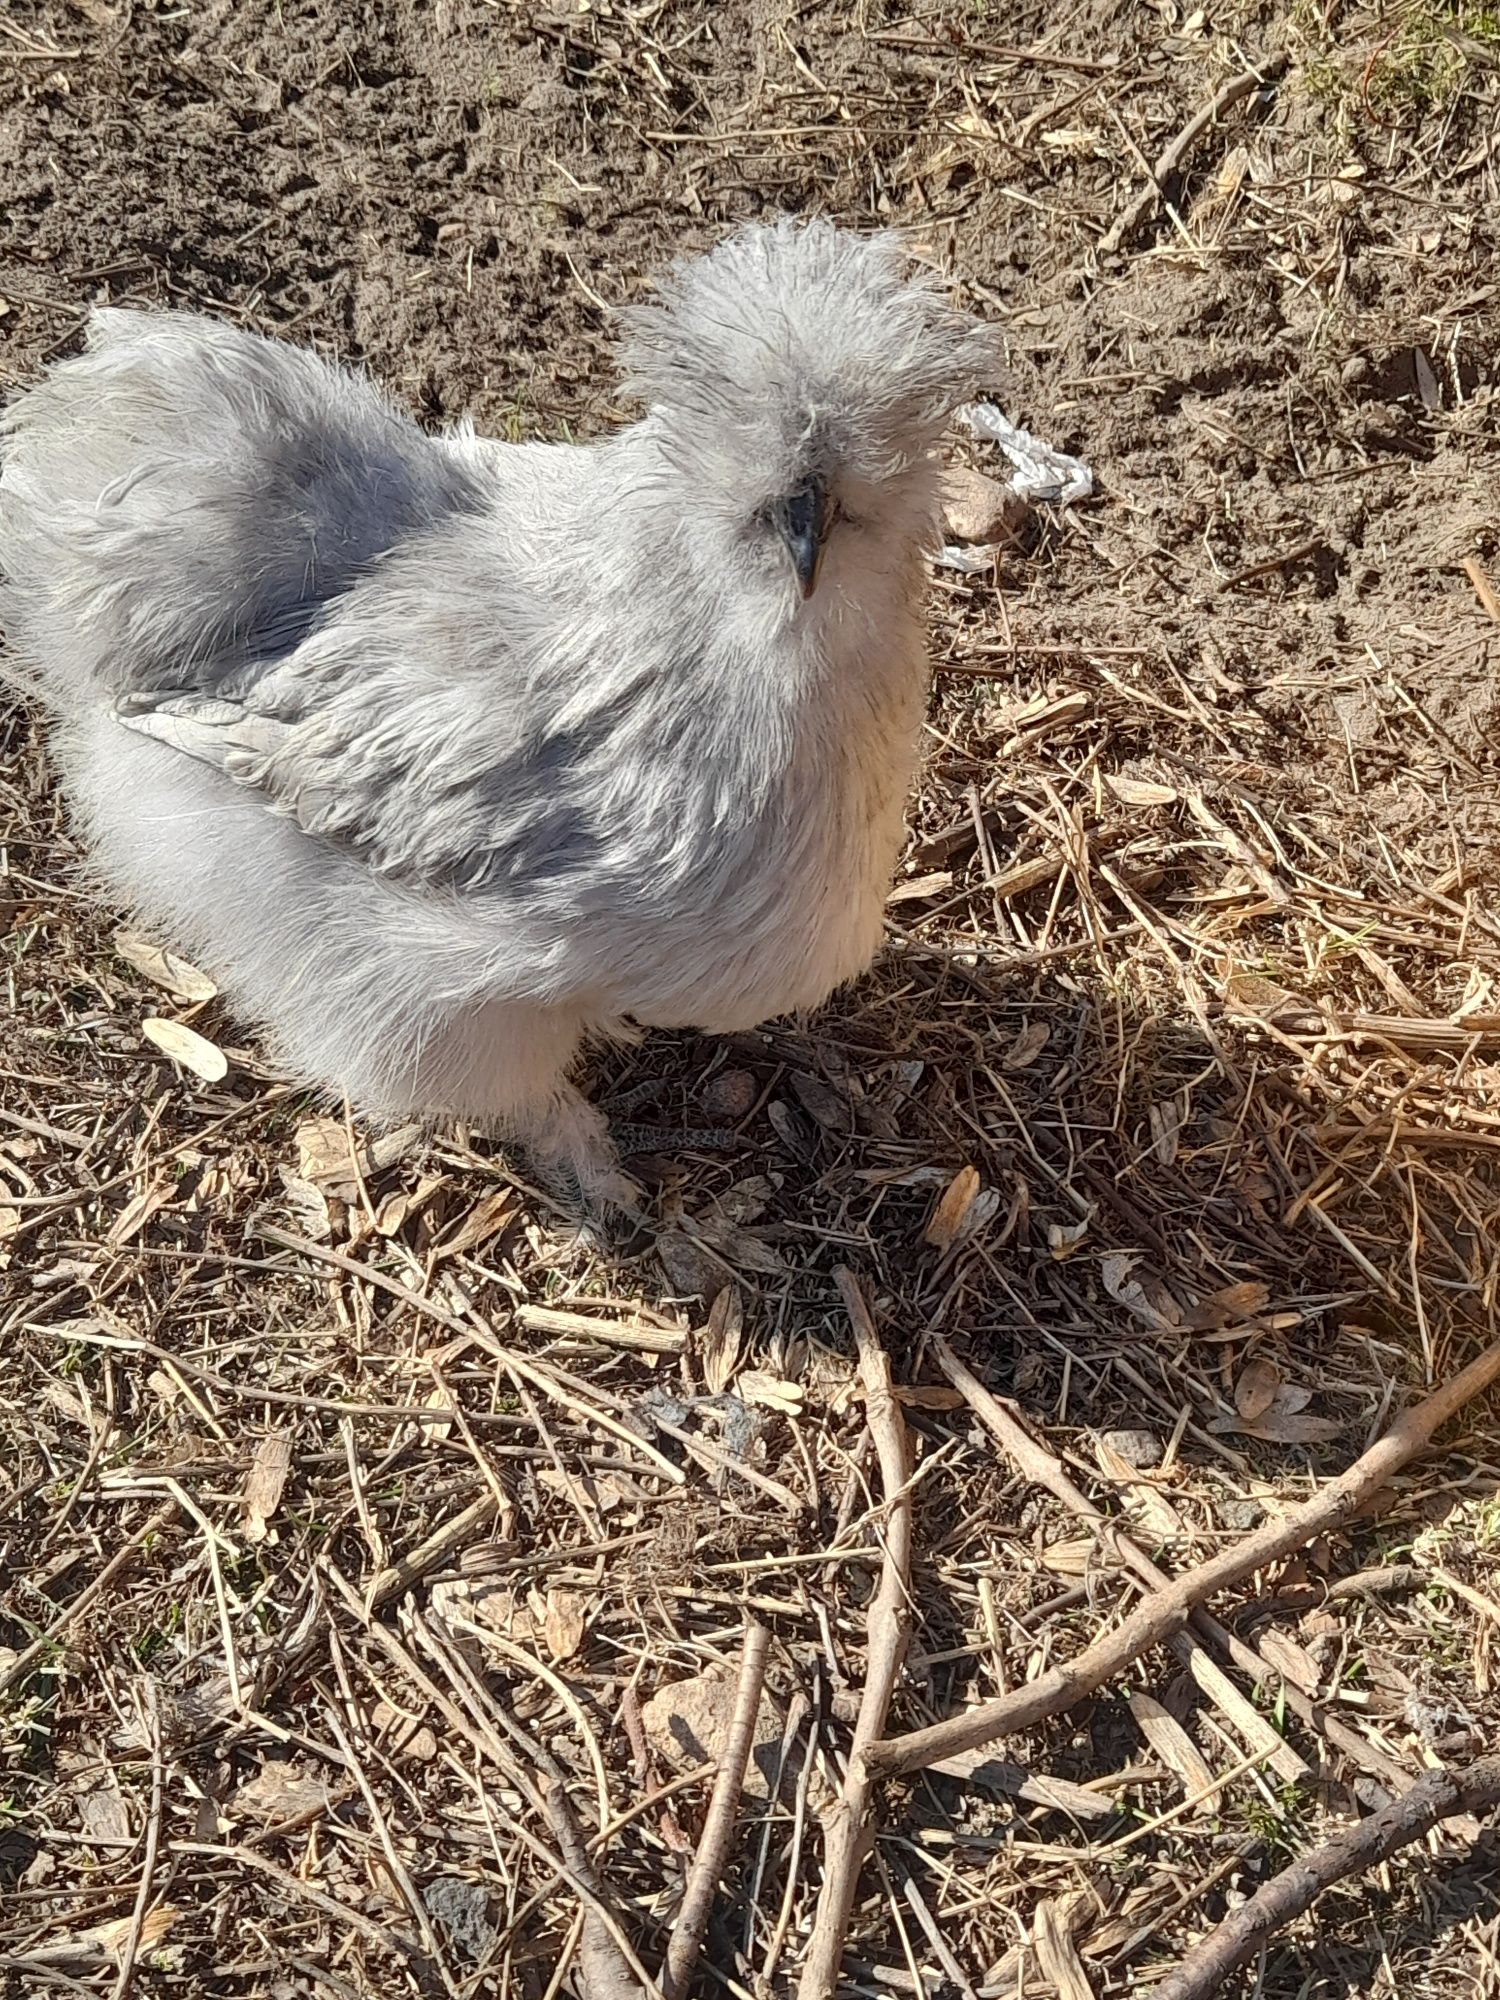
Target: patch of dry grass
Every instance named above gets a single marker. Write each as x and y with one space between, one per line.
349 1526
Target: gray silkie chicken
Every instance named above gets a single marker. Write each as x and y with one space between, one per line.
448 757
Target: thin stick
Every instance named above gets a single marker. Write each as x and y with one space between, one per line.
151 1722
603 1969
718 1826
1173 155
1164 1612
1438 1796
384 1937
848 1830
1045 1470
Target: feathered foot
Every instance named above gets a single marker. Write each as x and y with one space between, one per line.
576 1163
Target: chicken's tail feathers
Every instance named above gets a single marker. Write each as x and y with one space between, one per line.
180 500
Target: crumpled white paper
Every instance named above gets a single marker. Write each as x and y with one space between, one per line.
1042 476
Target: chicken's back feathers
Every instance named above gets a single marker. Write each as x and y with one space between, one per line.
179 501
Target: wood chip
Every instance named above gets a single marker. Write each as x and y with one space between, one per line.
1170 1742
1058 1955
265 1483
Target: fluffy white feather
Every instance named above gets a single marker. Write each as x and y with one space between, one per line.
446 756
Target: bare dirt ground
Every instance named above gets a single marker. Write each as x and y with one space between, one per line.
328 1546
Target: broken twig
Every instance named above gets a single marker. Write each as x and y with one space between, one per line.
718 1826
1041 1467
1438 1796
1173 155
847 1827
1164 1612
604 1970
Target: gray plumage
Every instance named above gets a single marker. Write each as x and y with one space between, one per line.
447 756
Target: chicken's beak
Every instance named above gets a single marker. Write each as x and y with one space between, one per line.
802 521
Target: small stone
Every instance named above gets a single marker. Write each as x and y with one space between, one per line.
729 1096
977 508
687 1724
1142 1449
692 1271
1354 370
463 1910
1241 1515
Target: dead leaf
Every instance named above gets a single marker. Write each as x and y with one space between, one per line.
1256 1390
98 1798
770 1392
187 1047
1166 1124
437 1430
826 1107
1225 1308
1115 1270
719 1342
484 1220
138 1211
564 1622
280 1790
395 1210
1063 1238
1027 1046
308 1205
744 1249
928 1396
1140 791
1253 993
738 1206
326 1159
1291 1661
10 1222
173 974
1289 1427
63 1397
486 1606
265 1482
952 1211
405 1735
